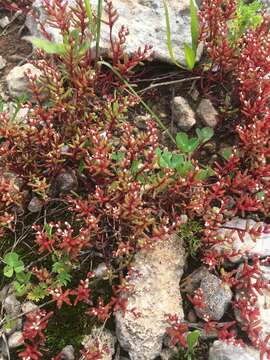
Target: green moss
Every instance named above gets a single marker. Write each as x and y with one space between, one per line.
191 234
67 326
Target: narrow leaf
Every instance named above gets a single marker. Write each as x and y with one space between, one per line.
169 39
190 56
195 27
99 14
46 45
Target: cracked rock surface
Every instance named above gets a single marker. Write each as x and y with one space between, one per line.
155 294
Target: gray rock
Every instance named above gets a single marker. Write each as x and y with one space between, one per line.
29 306
68 353
100 270
217 297
182 113
11 305
247 247
222 351
155 293
35 205
66 181
3 62
18 84
4 21
13 326
20 115
15 340
207 113
145 20
105 339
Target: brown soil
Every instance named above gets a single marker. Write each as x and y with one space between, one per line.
12 48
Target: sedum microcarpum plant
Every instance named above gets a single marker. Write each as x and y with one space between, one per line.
102 189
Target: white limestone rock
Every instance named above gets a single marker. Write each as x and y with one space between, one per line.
220 350
155 294
18 84
145 20
247 247
182 113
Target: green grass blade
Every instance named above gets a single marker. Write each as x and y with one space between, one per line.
195 26
190 56
99 15
89 13
169 38
131 89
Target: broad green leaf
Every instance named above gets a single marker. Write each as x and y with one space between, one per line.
11 258
195 26
23 277
193 144
205 134
182 141
190 56
165 160
8 271
20 289
48 46
177 160
19 267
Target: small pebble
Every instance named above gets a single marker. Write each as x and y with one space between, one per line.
4 22
15 340
3 62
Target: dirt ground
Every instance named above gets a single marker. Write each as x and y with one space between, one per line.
13 48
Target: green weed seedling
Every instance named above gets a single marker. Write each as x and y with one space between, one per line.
15 267
186 145
190 51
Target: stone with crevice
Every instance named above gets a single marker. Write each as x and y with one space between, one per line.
156 293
